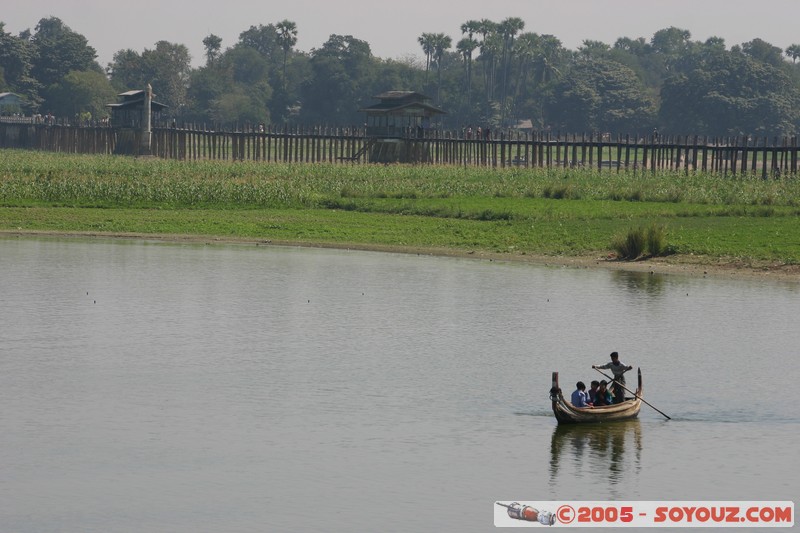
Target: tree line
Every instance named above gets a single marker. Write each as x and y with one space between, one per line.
495 75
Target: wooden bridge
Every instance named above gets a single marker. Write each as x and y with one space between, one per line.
766 157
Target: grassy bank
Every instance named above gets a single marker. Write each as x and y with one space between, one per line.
510 211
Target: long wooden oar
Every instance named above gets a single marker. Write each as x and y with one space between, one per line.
634 394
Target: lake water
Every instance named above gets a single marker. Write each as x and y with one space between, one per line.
188 388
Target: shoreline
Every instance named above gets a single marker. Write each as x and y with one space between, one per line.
684 265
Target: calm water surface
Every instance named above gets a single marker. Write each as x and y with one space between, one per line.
163 387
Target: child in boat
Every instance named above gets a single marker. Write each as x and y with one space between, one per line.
579 397
603 396
593 390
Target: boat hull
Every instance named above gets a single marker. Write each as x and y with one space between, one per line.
566 413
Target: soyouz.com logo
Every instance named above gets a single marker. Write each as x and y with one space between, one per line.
745 514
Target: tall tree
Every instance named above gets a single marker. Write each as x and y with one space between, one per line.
426 41
550 58
16 62
491 44
172 64
233 90
263 39
602 95
593 49
441 44
287 37
526 47
127 70
338 84
793 51
672 45
238 106
761 50
15 56
206 84
508 28
166 67
59 50
466 47
639 55
212 44
470 28
637 47
732 94
83 94
244 66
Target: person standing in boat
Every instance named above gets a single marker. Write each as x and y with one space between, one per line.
618 369
579 397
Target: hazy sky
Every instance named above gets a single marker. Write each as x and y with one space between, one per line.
392 28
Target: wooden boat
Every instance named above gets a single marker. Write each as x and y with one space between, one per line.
566 413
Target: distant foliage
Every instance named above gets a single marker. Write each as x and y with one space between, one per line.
494 74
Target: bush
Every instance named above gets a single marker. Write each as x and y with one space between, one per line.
630 246
640 242
656 240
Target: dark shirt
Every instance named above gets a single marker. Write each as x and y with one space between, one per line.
592 394
602 398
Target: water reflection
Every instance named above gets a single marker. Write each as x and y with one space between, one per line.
216 386
647 283
609 451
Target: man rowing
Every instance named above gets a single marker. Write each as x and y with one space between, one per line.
618 369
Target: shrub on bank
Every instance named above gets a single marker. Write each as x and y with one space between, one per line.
641 242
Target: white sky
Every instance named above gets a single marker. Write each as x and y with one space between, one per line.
392 28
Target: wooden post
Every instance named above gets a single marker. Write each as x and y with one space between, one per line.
144 149
774 165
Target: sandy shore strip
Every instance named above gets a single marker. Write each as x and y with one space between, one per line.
685 265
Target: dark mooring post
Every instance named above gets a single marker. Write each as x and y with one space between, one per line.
144 149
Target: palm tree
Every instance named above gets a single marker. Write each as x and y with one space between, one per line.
287 38
508 28
426 41
525 49
793 51
441 43
465 47
489 48
548 55
486 27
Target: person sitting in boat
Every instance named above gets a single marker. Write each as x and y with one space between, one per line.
579 397
593 390
618 369
603 396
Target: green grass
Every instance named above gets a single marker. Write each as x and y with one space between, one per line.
513 211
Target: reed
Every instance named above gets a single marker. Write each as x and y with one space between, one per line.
119 181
